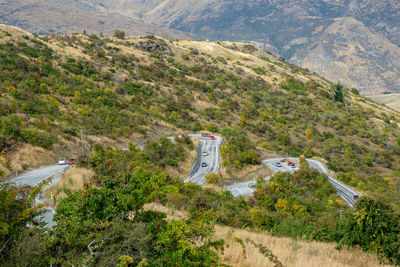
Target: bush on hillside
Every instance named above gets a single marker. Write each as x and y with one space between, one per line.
374 226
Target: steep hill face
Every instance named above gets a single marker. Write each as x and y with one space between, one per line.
130 90
355 42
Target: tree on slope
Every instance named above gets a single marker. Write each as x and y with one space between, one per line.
339 93
374 226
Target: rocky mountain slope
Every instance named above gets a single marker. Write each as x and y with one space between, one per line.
71 16
355 42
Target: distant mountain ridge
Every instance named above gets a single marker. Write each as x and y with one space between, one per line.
355 42
74 16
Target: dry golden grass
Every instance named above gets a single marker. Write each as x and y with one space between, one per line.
288 251
74 179
16 34
172 214
190 157
184 167
247 173
214 187
390 100
248 60
387 109
24 158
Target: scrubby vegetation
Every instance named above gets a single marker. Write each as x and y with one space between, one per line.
107 220
105 223
52 87
239 150
117 88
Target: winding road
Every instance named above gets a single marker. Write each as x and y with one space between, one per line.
243 189
212 159
348 195
34 177
205 163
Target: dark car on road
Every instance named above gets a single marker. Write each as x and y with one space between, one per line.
204 164
278 164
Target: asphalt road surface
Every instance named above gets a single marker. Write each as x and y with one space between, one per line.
213 159
243 189
348 195
271 164
33 178
197 174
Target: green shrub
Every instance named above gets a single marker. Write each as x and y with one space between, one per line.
119 34
11 126
165 152
259 70
294 86
17 209
238 150
38 138
374 226
355 91
213 178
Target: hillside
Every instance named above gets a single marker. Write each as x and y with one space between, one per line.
354 42
70 16
143 89
390 100
119 90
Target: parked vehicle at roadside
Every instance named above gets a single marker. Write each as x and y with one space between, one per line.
212 137
205 134
63 161
71 162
